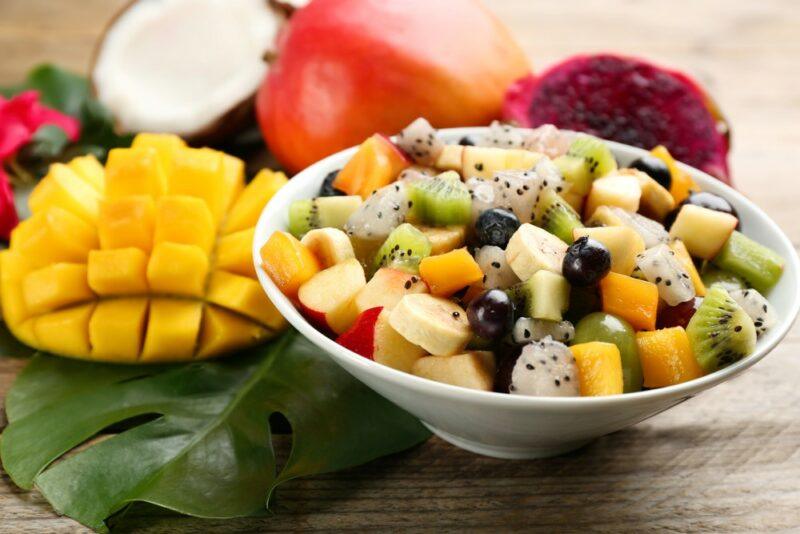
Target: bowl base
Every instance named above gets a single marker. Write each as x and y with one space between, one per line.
507 453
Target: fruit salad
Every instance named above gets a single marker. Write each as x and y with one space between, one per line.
526 262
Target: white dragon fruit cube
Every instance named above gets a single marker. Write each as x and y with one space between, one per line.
660 266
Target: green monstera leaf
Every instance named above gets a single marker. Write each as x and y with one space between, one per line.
194 438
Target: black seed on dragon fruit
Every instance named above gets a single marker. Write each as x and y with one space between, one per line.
757 307
545 368
419 140
502 136
660 266
497 274
381 213
527 330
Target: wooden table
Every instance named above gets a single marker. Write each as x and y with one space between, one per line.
725 461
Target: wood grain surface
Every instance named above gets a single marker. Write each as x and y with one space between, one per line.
726 461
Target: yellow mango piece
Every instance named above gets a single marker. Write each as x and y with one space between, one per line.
245 211
65 332
119 271
200 173
116 329
235 254
24 332
599 368
65 189
134 171
127 222
234 177
13 269
165 146
56 286
184 219
177 269
245 296
90 171
172 330
224 332
54 236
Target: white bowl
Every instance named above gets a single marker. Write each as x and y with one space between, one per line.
512 426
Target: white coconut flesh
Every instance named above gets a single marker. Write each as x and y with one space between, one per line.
179 65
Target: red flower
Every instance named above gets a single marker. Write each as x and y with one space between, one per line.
8 212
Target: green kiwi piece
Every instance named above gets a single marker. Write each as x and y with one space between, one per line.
712 275
762 267
544 295
403 249
556 216
586 159
440 201
321 212
720 332
575 172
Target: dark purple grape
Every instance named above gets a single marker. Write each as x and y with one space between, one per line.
586 262
467 140
704 199
495 227
491 314
678 315
327 189
655 169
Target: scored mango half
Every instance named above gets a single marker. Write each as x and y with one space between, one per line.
144 260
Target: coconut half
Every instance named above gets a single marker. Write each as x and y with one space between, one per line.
189 67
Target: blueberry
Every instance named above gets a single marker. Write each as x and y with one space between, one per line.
655 169
586 262
495 227
704 199
490 314
327 189
467 140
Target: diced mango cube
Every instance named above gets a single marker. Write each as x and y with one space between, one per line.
90 171
134 171
447 273
599 368
184 219
116 330
234 178
634 300
24 332
247 208
65 332
667 357
13 269
164 144
118 271
63 188
53 236
173 326
288 262
177 269
235 253
127 222
200 173
225 332
245 296
56 286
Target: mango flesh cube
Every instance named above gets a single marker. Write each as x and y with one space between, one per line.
90 171
127 222
13 269
233 174
224 332
119 271
177 269
184 219
134 171
116 329
24 332
599 368
172 329
56 286
667 357
200 173
245 211
65 332
165 146
245 296
63 188
54 236
234 253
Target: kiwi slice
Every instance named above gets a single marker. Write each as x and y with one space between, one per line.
720 332
575 172
440 201
760 266
545 295
586 159
712 275
556 216
403 249
321 212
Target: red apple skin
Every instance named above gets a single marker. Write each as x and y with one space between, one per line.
316 318
360 338
346 69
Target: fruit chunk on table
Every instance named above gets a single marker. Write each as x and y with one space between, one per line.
144 260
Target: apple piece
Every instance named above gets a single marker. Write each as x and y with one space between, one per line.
329 245
444 238
450 158
436 324
386 288
703 231
656 201
622 242
328 297
473 370
614 190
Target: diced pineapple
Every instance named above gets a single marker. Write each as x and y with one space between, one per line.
65 332
116 329
127 222
245 296
172 330
224 331
200 173
186 220
134 171
63 188
234 253
248 206
119 271
56 286
53 236
177 269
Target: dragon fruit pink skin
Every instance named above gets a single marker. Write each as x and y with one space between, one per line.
627 100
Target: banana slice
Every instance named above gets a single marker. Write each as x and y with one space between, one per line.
435 324
532 249
329 245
